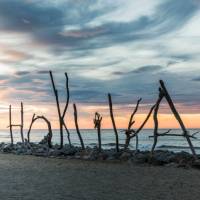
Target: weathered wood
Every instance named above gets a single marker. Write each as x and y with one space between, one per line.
155 118
58 109
77 127
50 133
68 96
22 123
177 116
131 122
30 127
10 122
133 133
129 130
62 115
68 134
113 122
97 125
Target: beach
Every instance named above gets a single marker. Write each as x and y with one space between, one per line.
29 177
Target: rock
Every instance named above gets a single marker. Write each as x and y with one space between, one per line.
162 157
44 140
7 148
102 156
69 152
142 157
20 151
55 152
125 156
112 154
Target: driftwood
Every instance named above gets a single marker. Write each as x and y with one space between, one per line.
30 127
113 122
10 122
131 133
129 130
22 123
177 116
61 115
49 135
21 126
97 125
77 127
155 118
164 93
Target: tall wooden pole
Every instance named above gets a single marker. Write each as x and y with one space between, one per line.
177 116
77 127
58 109
113 122
22 123
10 124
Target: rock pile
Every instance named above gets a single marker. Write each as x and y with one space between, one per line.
167 158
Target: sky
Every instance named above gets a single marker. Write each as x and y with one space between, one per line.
121 47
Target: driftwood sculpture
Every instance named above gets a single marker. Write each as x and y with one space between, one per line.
77 127
49 135
163 93
113 122
61 115
131 133
21 126
10 122
97 125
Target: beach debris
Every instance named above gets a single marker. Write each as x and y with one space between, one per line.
97 125
21 126
77 127
49 135
62 115
130 132
163 93
113 122
155 157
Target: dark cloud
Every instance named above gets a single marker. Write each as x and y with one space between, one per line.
197 79
142 69
147 68
46 22
22 73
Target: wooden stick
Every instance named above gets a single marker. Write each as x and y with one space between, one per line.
77 127
30 127
131 122
133 133
68 95
22 123
68 134
58 109
177 116
62 116
10 122
155 118
50 133
97 125
113 122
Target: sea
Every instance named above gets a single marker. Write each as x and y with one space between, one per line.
171 143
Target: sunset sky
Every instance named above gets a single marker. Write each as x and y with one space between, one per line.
116 46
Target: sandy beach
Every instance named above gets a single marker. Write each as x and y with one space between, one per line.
29 177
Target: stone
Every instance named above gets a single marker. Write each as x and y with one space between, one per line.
125 156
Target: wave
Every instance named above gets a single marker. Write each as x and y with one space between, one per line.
175 147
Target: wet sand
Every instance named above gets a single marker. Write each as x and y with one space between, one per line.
29 177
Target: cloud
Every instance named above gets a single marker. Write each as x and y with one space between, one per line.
126 56
148 68
46 23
